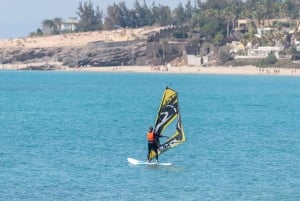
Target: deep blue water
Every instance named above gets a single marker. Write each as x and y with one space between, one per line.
67 136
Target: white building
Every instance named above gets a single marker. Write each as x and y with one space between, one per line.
264 51
69 25
263 31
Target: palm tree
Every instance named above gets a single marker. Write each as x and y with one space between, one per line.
48 26
230 16
57 22
178 14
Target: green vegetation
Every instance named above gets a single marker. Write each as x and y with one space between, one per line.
210 21
90 17
214 19
294 53
269 61
225 56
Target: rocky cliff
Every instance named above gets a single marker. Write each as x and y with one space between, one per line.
92 54
104 48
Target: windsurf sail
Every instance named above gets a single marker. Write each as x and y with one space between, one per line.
168 124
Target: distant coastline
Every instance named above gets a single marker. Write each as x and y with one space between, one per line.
45 53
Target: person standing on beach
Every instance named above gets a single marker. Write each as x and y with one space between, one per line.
151 136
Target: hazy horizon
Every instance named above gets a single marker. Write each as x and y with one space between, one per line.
19 18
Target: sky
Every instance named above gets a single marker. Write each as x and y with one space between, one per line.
20 17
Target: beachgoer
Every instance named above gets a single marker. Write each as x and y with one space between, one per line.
151 136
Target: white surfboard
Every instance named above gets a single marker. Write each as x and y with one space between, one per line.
137 162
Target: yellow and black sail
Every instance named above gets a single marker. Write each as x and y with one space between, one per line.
168 124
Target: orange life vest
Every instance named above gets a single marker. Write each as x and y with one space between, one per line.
151 137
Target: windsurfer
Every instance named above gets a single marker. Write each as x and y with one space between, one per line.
151 136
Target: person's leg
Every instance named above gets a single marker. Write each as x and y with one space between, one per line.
149 150
156 152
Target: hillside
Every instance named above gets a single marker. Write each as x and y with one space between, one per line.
101 48
78 39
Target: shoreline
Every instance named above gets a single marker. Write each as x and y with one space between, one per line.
221 70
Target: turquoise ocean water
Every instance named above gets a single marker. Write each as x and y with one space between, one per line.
67 136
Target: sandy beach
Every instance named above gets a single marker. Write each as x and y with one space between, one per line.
244 70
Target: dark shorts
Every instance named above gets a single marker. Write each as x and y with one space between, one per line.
152 145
